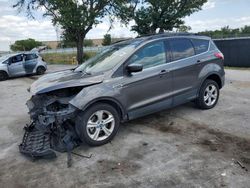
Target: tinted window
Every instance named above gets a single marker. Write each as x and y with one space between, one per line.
17 58
181 48
149 56
200 45
30 57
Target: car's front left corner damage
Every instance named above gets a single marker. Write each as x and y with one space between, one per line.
52 124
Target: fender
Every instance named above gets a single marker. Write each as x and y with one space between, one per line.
208 70
96 93
4 67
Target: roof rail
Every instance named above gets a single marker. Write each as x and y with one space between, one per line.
167 34
122 40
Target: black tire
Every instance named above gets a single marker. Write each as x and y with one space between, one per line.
83 117
40 70
3 76
201 102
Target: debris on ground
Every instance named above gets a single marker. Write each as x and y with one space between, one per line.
241 165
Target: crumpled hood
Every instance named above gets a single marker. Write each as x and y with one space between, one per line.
63 79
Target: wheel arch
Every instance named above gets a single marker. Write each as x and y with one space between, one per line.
213 76
41 66
111 101
216 78
4 71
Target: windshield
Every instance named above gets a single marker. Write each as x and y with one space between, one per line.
5 57
107 59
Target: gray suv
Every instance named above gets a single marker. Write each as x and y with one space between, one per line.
127 80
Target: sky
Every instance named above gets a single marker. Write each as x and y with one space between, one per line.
214 15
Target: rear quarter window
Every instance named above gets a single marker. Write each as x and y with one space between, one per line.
200 45
181 48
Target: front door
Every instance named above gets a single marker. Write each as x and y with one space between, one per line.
15 66
150 90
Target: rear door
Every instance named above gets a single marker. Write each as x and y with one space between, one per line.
184 69
30 62
15 66
150 90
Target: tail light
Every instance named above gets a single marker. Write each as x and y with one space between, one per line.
219 55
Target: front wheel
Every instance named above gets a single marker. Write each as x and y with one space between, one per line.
3 76
208 95
98 124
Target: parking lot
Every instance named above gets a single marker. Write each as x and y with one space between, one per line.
180 147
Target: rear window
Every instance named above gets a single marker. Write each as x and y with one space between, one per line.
181 48
200 45
30 57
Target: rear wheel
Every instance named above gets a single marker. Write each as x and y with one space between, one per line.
98 124
3 76
40 70
208 95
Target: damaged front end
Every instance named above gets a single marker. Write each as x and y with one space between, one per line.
52 124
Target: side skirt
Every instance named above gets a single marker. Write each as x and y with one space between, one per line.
149 109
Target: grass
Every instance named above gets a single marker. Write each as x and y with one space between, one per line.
65 58
237 68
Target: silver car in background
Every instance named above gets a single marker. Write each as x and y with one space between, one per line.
21 64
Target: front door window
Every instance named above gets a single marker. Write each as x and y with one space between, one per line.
150 56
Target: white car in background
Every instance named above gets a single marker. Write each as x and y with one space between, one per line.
21 64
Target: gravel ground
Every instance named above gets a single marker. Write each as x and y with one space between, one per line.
180 147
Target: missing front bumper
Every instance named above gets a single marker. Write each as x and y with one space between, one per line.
36 144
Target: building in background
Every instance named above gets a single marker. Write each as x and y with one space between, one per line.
96 42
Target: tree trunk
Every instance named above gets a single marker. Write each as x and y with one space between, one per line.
79 43
161 30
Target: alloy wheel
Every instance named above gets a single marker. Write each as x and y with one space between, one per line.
210 95
100 125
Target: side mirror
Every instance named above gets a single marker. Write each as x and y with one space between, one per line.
134 68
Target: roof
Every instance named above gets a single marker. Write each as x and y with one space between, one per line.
162 35
142 39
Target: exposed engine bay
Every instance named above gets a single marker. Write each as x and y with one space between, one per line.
52 125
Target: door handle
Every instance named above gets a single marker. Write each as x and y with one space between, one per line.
199 61
164 72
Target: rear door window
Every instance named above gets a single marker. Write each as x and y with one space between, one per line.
181 48
200 45
30 57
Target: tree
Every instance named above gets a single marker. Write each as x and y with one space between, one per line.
77 17
106 40
163 15
183 28
245 30
25 45
227 32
